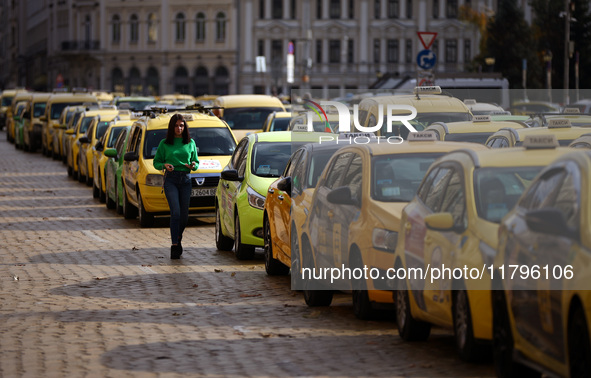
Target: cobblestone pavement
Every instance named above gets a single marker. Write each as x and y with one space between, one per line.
86 293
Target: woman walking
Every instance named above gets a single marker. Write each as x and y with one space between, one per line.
177 155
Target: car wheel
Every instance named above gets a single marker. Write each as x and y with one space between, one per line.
409 328
503 338
314 296
273 267
109 202
129 211
102 193
241 251
466 344
361 304
95 191
222 242
146 218
89 180
579 350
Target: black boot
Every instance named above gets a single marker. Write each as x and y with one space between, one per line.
175 252
180 246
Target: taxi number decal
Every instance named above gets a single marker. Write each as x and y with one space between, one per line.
210 164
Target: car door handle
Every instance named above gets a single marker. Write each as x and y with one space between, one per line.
427 239
271 190
330 214
280 198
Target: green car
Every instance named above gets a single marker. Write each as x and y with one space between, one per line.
259 159
113 169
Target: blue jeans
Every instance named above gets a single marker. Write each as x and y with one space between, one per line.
177 188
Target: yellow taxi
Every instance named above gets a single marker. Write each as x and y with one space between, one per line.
559 127
314 121
246 114
430 103
584 141
288 204
448 240
484 108
103 98
259 159
276 121
354 217
177 99
21 96
33 127
58 135
5 102
55 105
97 128
99 159
476 131
542 297
143 195
83 122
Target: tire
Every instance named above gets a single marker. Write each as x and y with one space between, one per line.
579 350
273 267
129 211
468 347
313 296
89 181
108 201
241 251
409 328
102 194
146 218
95 191
222 242
503 338
361 304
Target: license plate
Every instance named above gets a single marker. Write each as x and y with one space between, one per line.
203 192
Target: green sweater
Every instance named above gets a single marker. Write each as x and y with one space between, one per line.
177 154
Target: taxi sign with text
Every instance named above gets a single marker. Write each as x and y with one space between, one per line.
558 123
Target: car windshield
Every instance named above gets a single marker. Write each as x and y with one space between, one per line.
317 164
135 105
280 124
113 135
39 109
210 141
468 137
561 142
396 177
498 189
270 158
7 101
86 121
101 128
58 107
248 118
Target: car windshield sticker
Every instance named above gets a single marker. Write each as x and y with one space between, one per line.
210 164
263 169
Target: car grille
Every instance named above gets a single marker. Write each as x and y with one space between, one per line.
209 180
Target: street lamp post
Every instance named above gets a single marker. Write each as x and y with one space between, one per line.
566 50
548 61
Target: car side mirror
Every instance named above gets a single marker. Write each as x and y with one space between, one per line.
231 175
99 146
84 139
130 156
43 118
549 221
110 152
284 184
341 196
69 131
442 222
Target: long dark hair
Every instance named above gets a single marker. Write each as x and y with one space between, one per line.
171 125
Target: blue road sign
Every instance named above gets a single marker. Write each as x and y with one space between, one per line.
426 59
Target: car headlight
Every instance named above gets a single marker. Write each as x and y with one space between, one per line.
255 199
488 253
154 180
385 240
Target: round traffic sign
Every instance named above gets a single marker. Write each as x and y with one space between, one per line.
426 59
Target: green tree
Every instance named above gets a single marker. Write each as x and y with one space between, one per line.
509 41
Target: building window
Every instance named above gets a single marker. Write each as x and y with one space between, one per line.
220 27
451 10
319 9
335 9
334 51
435 47
180 27
351 9
276 50
392 51
409 9
200 27
261 9
87 30
318 51
293 9
350 51
116 24
377 8
467 51
152 28
277 9
393 8
408 51
451 51
133 29
260 47
376 50
435 9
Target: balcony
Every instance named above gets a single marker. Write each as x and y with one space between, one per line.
80 45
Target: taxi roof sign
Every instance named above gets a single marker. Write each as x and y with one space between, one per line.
433 89
422 136
571 111
299 127
356 135
481 118
540 141
558 123
188 117
470 101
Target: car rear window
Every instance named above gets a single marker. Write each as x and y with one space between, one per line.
248 118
